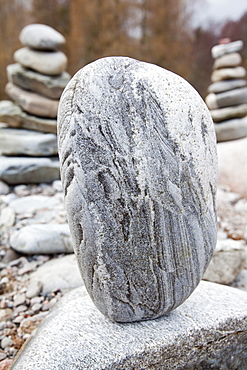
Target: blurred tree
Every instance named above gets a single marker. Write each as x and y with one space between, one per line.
98 29
13 16
156 31
166 34
54 13
202 61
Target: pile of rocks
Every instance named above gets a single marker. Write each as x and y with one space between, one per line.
37 265
28 142
227 99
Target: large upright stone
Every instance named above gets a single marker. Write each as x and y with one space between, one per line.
138 165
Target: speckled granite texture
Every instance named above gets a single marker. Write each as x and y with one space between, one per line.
209 331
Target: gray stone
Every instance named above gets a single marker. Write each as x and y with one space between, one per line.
20 309
7 217
31 102
10 113
28 170
57 185
222 114
226 85
42 239
232 159
231 129
228 60
3 356
47 62
34 203
50 86
5 313
34 289
207 332
228 73
36 307
19 299
38 123
6 342
41 36
13 115
26 142
227 262
241 206
58 274
227 98
138 155
4 188
10 256
232 47
241 280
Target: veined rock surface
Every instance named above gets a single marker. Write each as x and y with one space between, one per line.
138 165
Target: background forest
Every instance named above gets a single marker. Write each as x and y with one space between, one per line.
156 31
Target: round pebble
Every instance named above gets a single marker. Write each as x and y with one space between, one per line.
6 342
2 356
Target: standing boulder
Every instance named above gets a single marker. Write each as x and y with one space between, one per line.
138 165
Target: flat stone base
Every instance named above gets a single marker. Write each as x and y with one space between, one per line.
208 331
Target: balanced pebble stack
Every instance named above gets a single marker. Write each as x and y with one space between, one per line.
28 141
227 98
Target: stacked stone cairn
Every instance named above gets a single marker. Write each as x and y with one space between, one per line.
227 98
28 141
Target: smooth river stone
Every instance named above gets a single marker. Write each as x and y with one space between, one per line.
227 98
219 50
138 165
46 62
41 36
228 60
31 102
223 114
226 85
50 86
14 116
232 129
228 73
28 170
26 142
